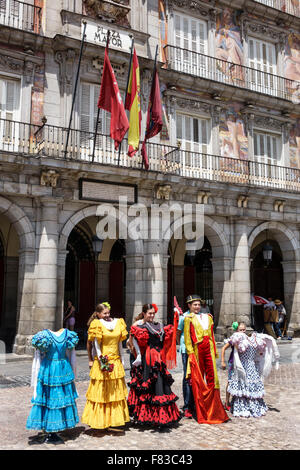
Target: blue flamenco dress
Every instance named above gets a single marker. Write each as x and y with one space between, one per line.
54 408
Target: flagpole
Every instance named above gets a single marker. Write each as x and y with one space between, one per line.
127 85
75 89
98 112
153 74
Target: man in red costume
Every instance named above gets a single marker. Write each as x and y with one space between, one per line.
202 352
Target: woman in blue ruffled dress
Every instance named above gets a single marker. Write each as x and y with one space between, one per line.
53 373
252 362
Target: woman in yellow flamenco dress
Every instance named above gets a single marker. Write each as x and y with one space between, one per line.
106 404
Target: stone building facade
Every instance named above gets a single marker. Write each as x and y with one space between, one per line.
230 87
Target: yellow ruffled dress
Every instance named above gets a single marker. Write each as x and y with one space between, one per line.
106 404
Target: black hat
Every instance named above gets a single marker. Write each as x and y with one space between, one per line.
192 298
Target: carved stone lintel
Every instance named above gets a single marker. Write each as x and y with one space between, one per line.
11 64
249 27
98 62
203 8
49 178
194 105
202 197
163 192
268 123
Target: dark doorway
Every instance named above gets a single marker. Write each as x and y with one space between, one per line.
117 279
266 280
80 277
1 280
198 274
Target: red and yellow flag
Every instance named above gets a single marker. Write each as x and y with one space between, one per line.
133 104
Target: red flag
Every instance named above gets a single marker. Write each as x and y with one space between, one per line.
154 116
110 100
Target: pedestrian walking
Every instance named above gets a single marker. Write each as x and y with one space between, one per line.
53 374
69 316
252 362
106 405
151 400
240 327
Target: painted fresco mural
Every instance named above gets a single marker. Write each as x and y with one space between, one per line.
294 142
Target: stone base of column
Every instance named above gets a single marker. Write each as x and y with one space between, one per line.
22 345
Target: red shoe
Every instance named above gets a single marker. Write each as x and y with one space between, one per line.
227 407
188 414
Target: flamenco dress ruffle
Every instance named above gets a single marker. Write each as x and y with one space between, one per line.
106 404
151 400
54 408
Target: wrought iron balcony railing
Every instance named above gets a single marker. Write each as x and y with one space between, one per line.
219 70
292 7
49 141
20 15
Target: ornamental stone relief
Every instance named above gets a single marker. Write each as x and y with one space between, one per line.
112 11
10 63
260 30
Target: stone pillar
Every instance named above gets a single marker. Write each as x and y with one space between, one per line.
61 270
102 288
46 282
156 277
242 274
178 284
135 295
26 305
222 295
291 279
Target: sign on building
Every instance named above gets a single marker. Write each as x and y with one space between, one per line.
96 33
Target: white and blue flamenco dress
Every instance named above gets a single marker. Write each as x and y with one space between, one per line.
53 373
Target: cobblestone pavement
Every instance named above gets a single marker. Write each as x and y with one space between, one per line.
279 429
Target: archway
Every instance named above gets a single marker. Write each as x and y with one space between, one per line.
266 278
286 245
80 275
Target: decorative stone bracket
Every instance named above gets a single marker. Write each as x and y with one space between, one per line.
279 205
49 178
163 192
202 197
242 201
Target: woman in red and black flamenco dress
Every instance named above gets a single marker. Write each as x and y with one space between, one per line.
151 400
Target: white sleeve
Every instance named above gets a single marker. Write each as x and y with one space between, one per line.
121 353
36 364
138 360
97 347
71 354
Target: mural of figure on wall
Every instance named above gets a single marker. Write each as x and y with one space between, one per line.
229 46
295 145
292 65
233 140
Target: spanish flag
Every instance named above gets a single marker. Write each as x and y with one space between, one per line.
133 104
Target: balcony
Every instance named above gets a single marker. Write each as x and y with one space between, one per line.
291 7
20 15
49 142
219 70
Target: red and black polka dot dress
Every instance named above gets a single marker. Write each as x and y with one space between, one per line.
151 400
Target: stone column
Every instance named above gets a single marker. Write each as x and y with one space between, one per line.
46 282
135 296
102 288
178 283
61 271
291 279
242 273
26 305
222 295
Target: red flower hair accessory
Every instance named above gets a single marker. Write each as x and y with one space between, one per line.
155 307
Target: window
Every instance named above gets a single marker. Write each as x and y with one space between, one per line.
88 115
11 12
9 108
190 39
193 133
267 147
262 58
